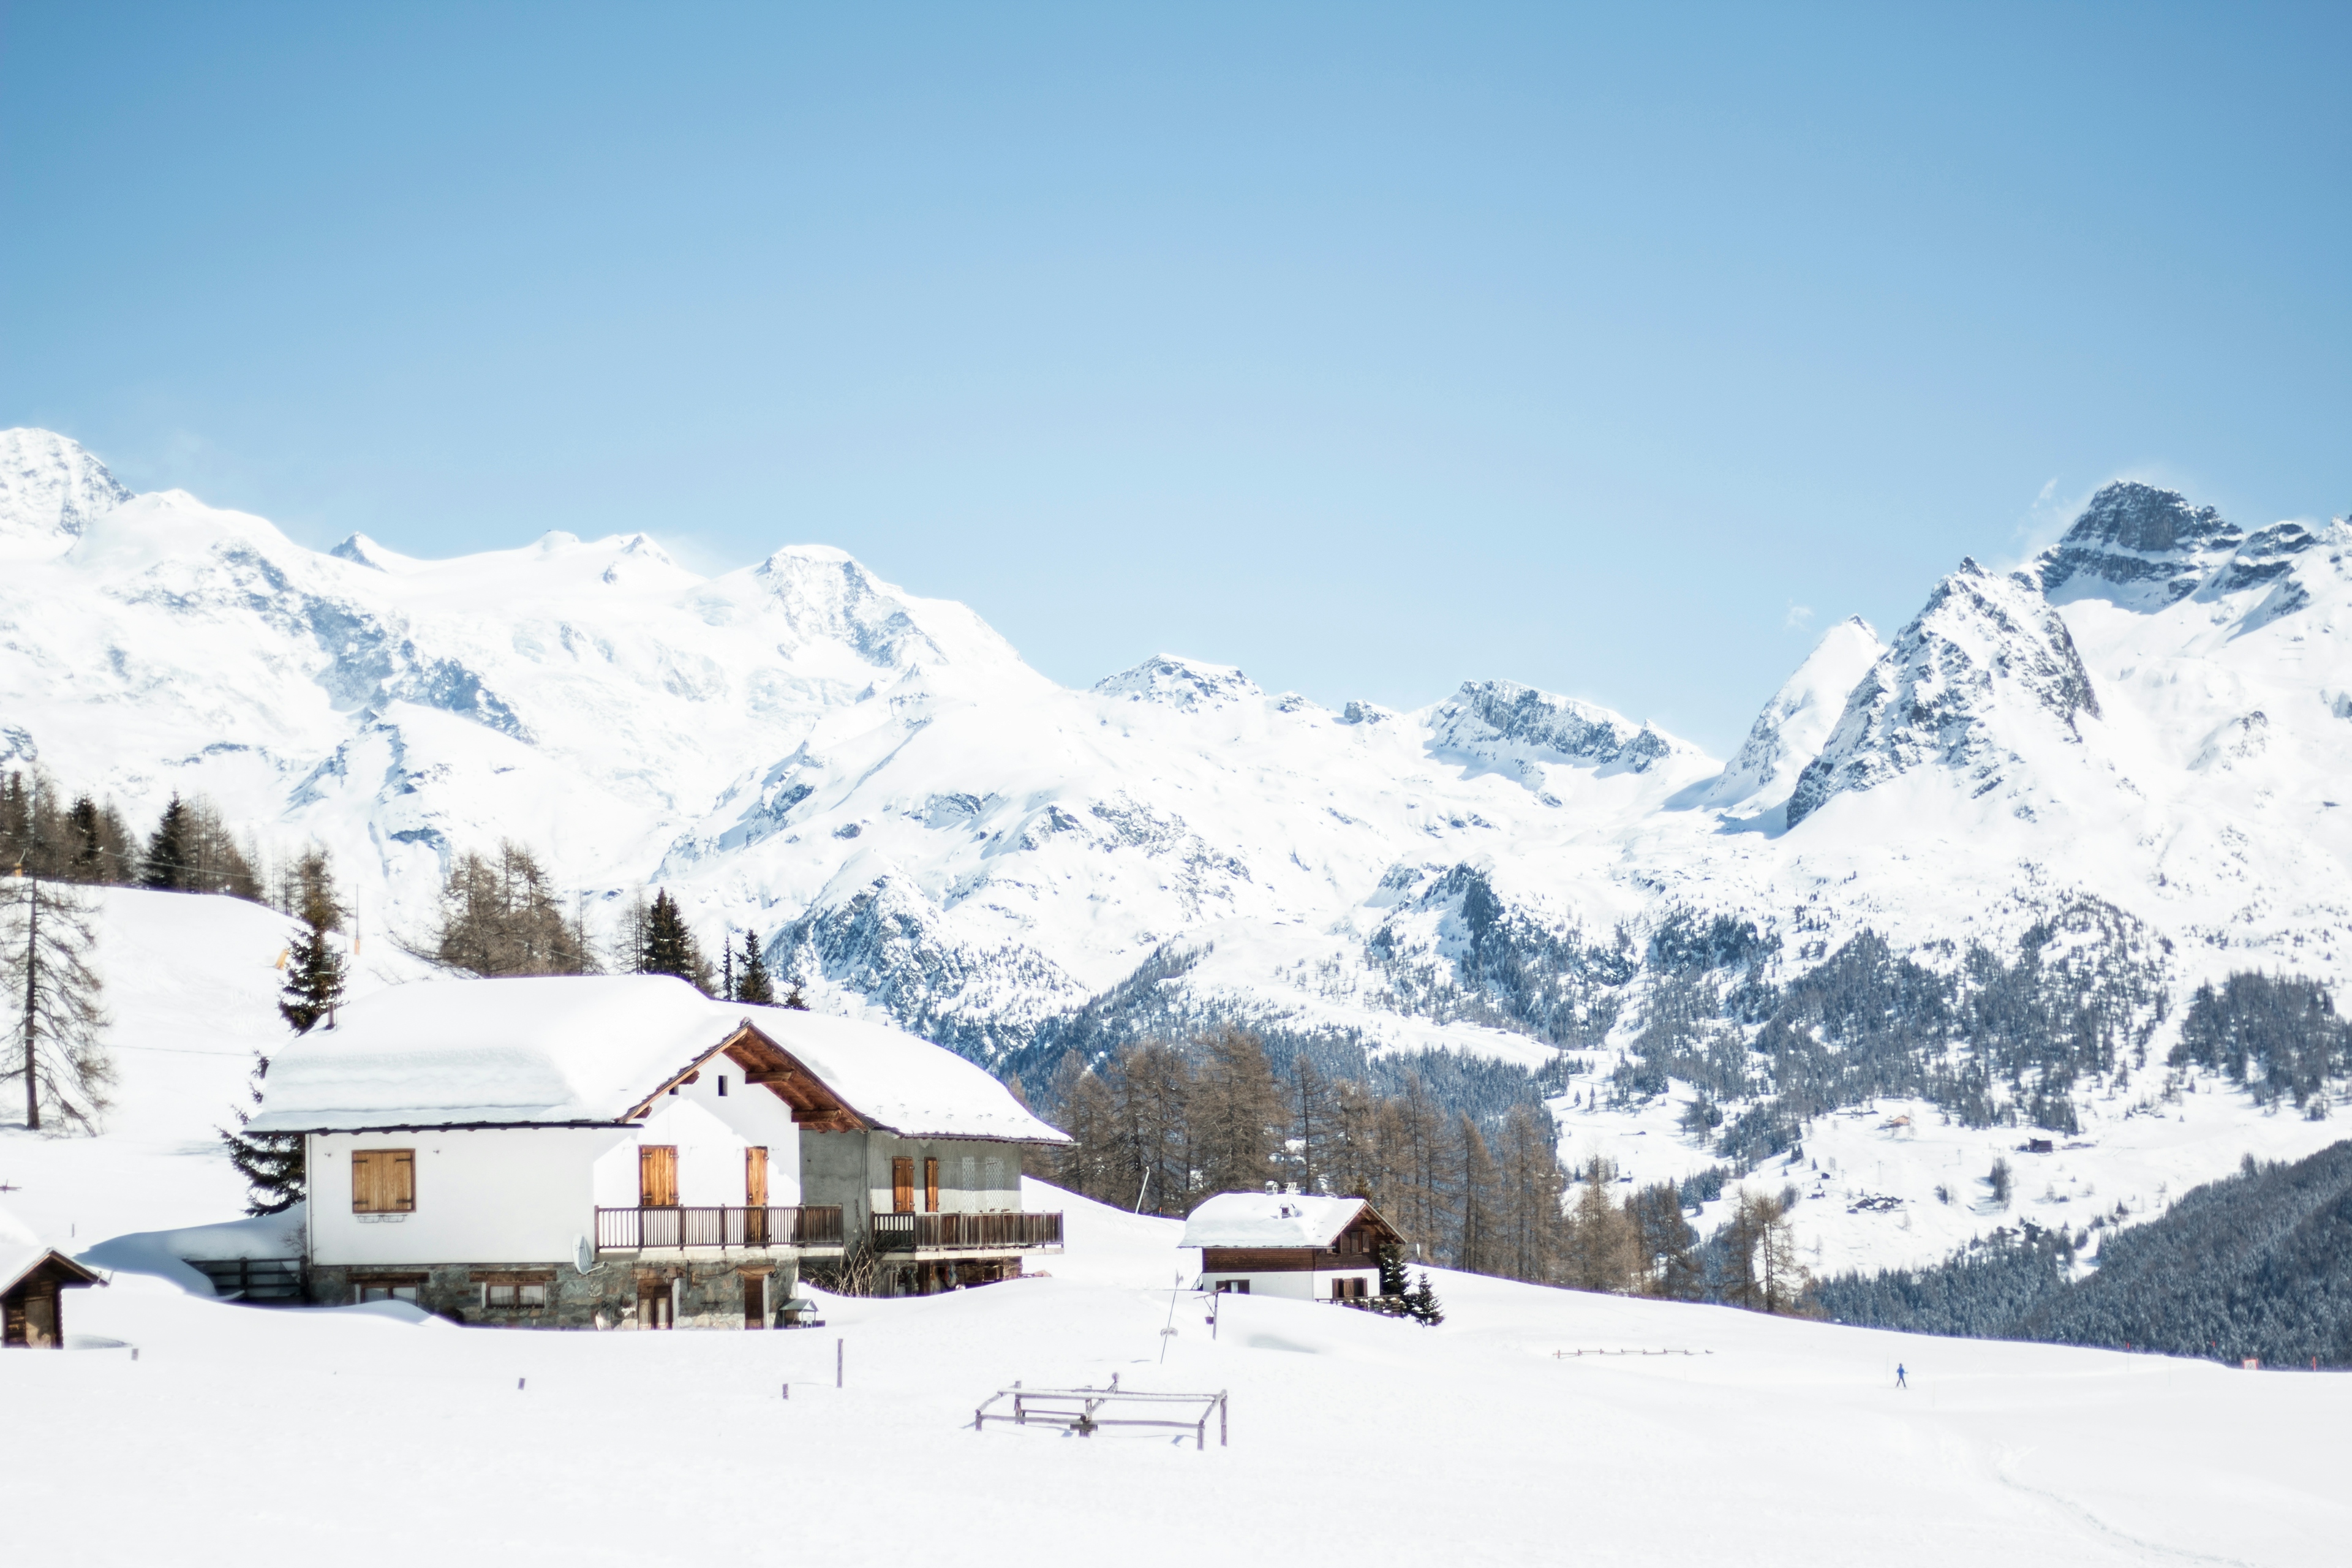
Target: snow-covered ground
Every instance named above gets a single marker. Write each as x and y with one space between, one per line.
373 1437
192 987
366 1436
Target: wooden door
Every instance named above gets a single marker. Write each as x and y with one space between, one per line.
653 1304
930 1186
658 1176
755 1178
902 1184
755 1301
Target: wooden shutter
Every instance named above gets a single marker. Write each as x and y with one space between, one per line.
383 1181
658 1176
902 1184
755 1177
930 1186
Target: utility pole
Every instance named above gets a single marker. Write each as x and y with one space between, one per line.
32 996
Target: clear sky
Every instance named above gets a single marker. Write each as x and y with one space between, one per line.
1614 350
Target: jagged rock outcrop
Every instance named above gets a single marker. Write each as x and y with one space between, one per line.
1987 655
1501 720
1186 685
2138 545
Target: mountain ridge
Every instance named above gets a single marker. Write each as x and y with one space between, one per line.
2083 768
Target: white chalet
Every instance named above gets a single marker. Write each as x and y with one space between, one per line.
623 1151
1275 1244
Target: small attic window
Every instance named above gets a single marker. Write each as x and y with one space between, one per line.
672 1089
722 1086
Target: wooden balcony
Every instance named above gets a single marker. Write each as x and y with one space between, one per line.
746 1229
965 1232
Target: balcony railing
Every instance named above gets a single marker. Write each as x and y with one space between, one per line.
964 1231
634 1230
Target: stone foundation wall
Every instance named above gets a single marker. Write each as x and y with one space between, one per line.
618 1293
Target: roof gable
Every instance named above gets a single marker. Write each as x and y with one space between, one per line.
20 1261
1278 1220
598 1050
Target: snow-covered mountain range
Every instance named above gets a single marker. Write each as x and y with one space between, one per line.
2140 742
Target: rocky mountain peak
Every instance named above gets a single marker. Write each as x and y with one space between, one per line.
1986 661
1490 718
50 489
1186 685
2137 545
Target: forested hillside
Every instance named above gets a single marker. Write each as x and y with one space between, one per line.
2257 1264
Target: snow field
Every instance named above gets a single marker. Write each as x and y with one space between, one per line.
365 1433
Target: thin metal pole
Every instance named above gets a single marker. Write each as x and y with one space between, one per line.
837 1362
32 968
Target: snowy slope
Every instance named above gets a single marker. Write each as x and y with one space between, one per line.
1533 1427
2141 733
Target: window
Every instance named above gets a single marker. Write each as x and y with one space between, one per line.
722 1086
992 1177
1348 1289
930 1186
387 1287
902 1184
383 1181
658 1176
514 1294
971 1170
1232 1287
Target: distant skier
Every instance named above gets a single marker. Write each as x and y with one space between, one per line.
1902 1380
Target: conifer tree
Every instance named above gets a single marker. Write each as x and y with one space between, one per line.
314 969
272 1162
1476 1198
164 867
1308 1102
1423 1305
753 984
46 945
99 847
503 916
668 947
1236 1114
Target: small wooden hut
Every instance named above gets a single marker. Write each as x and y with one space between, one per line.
33 1283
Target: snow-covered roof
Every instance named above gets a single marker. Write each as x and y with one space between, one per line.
896 1082
22 1251
1270 1219
574 1049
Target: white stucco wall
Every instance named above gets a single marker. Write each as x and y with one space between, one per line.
528 1195
506 1195
1298 1284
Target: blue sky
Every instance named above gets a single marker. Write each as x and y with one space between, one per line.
1614 350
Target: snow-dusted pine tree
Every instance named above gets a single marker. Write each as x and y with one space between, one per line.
272 1162
668 947
753 984
47 947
